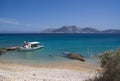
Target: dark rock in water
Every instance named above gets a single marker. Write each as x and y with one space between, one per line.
75 56
3 50
51 56
11 48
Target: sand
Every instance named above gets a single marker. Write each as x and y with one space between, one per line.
66 71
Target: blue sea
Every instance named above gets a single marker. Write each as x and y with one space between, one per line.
55 45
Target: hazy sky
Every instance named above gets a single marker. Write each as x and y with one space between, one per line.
36 15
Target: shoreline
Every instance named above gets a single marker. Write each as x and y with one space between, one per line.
66 71
69 64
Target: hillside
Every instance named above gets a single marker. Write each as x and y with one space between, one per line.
75 29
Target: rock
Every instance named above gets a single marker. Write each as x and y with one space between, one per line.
51 56
11 48
2 51
33 74
75 56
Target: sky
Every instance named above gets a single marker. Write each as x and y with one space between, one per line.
36 15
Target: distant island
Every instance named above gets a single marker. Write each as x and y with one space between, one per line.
75 29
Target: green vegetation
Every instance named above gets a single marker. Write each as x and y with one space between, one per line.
110 62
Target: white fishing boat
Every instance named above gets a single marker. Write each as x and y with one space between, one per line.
28 46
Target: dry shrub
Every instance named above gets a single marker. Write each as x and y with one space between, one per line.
110 62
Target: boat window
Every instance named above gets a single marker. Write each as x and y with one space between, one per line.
34 45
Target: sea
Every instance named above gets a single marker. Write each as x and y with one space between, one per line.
88 45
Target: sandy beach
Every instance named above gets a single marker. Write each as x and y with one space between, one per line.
66 71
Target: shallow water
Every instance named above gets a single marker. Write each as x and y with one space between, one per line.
55 44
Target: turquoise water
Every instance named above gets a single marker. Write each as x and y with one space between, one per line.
56 44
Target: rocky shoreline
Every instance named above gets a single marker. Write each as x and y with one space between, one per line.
7 49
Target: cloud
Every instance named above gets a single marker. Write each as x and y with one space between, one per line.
13 22
6 21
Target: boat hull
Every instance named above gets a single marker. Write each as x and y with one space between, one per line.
30 48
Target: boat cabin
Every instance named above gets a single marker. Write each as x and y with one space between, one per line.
31 44
34 44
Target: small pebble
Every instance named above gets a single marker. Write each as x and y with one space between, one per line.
33 74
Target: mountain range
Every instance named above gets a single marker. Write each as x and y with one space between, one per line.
75 29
